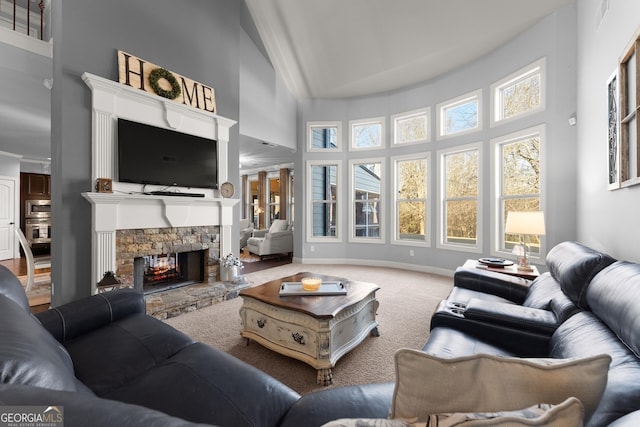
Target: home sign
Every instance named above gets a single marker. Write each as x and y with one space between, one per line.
140 74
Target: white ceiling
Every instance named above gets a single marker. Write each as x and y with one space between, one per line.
321 49
347 48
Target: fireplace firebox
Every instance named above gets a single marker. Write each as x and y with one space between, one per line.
155 273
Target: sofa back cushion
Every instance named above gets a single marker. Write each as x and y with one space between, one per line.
278 225
29 355
545 293
584 335
573 265
11 287
614 296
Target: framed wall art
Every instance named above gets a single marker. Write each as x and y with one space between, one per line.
613 132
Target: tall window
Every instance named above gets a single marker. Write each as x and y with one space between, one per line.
366 192
274 199
519 94
460 115
366 134
324 136
411 127
460 197
518 181
411 213
254 202
323 181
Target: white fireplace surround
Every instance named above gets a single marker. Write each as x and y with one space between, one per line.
127 207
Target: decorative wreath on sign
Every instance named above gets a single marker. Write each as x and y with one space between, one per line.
160 73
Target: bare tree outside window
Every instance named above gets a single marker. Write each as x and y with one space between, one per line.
520 182
412 199
461 171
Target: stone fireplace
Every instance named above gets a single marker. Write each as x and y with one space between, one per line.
158 259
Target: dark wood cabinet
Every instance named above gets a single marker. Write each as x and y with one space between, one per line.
36 186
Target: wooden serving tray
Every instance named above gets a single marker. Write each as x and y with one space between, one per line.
326 288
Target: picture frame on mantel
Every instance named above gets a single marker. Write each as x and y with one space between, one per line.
613 132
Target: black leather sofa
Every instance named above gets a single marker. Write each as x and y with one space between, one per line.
109 364
587 304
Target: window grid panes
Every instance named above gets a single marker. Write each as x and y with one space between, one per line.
274 199
520 176
366 216
324 200
411 200
323 136
629 123
367 134
411 127
460 115
520 93
460 197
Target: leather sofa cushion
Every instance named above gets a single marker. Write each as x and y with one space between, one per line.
12 288
29 355
203 384
585 335
449 342
81 410
112 356
573 265
614 297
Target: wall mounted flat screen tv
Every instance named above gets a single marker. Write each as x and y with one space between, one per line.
153 155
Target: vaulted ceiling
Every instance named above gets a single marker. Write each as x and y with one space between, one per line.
320 49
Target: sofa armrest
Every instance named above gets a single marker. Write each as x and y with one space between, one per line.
503 285
516 341
352 401
511 315
76 318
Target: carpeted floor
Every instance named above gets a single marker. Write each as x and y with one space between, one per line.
407 299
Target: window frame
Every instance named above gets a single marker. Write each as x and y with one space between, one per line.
352 201
539 66
426 111
497 208
311 125
442 199
454 102
309 205
372 120
629 149
395 236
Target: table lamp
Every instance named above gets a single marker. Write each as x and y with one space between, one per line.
525 224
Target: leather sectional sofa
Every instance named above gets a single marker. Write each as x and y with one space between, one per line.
109 364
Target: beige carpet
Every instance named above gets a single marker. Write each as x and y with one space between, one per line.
407 299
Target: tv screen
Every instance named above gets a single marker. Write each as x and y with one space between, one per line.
152 155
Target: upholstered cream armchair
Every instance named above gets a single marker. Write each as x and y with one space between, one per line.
278 239
246 230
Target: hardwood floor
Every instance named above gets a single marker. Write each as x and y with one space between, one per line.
37 300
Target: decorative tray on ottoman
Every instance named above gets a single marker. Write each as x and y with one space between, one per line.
326 288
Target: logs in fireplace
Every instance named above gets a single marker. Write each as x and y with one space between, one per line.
155 273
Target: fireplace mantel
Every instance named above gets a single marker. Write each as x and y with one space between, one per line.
127 207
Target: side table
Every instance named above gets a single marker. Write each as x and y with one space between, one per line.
511 270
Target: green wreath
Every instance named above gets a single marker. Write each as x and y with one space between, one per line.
160 73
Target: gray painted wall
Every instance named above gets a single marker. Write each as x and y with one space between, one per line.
553 38
87 34
607 220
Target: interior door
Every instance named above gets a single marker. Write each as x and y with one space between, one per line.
7 217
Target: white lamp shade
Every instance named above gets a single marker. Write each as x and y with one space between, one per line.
530 223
